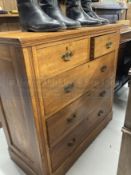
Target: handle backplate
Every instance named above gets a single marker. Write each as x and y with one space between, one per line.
103 68
67 55
72 142
72 118
68 88
109 44
102 94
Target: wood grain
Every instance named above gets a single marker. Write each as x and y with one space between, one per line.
24 39
63 56
129 12
5 52
9 23
8 5
84 145
79 80
125 158
128 118
18 121
34 99
124 166
104 44
65 147
65 120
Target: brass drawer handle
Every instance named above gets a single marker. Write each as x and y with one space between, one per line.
72 142
68 88
109 44
68 55
88 93
103 68
71 119
100 113
102 94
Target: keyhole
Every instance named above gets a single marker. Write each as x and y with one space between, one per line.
67 48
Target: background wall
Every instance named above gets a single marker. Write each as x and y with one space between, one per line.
129 12
8 4
11 5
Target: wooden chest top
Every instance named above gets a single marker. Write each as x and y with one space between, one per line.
24 39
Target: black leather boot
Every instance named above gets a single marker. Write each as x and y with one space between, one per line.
52 9
75 11
34 19
86 4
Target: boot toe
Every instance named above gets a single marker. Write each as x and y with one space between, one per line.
59 25
89 23
73 24
97 22
56 26
105 21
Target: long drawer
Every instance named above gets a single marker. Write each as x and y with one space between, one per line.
63 89
65 120
61 151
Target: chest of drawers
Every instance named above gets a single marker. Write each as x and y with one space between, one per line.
56 94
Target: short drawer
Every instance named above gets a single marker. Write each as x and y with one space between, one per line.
67 87
59 58
60 152
102 45
65 120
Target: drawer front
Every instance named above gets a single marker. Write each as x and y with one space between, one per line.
104 44
60 152
64 121
59 58
65 88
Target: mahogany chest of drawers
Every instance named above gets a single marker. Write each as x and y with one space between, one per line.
56 92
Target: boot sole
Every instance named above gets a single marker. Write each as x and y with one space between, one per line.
91 25
105 23
69 28
29 29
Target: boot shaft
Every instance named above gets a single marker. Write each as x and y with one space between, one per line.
26 5
74 9
26 1
48 2
86 4
33 18
73 3
86 1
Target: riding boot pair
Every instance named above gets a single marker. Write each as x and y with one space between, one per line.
47 16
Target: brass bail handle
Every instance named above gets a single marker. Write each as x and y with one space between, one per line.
67 55
103 93
109 44
72 142
100 113
104 68
72 118
68 88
